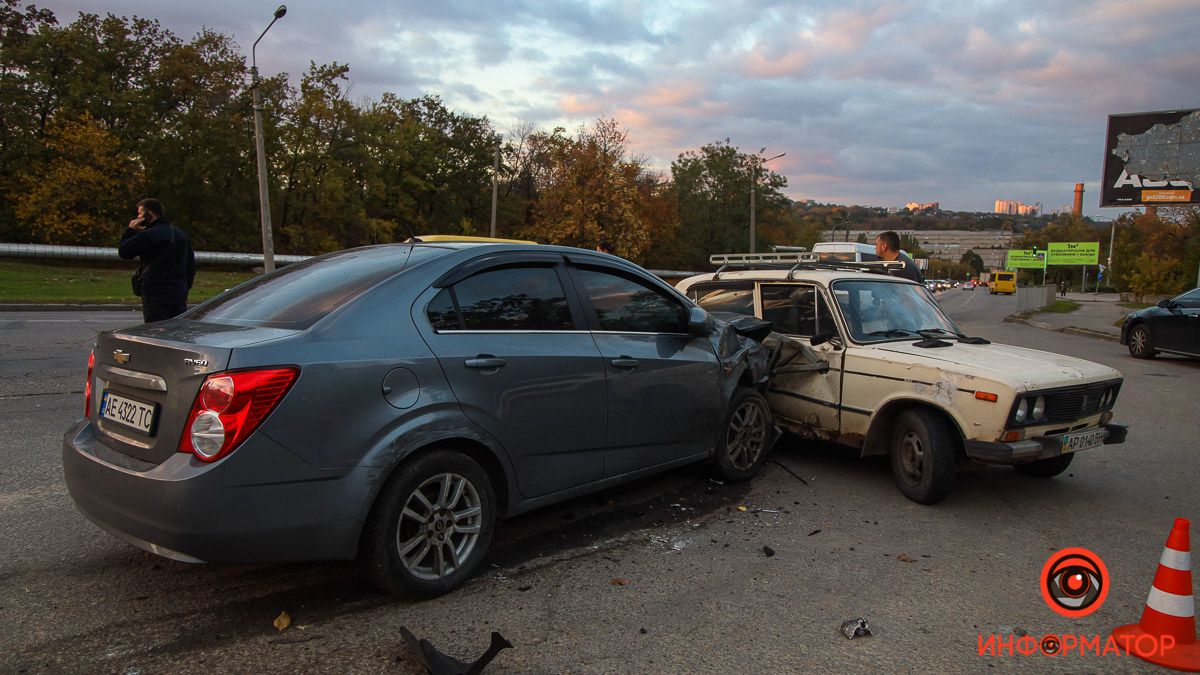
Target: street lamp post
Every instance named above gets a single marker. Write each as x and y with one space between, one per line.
264 201
753 185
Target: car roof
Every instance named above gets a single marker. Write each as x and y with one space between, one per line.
824 277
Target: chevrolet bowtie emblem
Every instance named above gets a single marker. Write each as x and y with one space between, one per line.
121 357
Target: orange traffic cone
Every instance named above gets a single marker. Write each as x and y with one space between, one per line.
1166 635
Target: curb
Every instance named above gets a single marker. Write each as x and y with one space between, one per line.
1073 330
35 307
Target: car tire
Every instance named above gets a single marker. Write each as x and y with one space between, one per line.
1046 468
745 438
924 457
431 525
1141 342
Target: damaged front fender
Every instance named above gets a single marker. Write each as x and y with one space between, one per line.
738 342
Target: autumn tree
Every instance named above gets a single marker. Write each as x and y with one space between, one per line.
588 190
79 193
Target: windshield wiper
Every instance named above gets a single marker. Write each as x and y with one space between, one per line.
892 332
930 333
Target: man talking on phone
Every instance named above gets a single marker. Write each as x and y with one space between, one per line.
167 264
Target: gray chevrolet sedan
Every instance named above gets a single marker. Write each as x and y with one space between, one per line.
389 403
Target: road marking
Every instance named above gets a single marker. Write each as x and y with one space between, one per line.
968 300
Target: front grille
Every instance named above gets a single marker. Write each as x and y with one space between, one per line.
1070 403
1075 403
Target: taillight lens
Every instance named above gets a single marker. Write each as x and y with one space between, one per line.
87 386
230 406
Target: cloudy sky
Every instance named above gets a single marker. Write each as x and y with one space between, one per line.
877 103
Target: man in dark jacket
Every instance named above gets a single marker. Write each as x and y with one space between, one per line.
887 247
168 263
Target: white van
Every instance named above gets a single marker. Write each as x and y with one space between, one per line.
844 251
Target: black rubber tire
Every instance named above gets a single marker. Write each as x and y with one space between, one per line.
745 438
380 551
1046 468
1141 342
924 455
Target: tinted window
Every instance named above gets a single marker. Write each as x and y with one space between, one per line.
441 312
795 309
509 298
629 306
725 297
1190 300
300 294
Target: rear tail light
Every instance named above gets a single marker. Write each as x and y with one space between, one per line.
87 386
230 406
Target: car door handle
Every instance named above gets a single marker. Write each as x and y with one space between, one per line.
625 362
484 362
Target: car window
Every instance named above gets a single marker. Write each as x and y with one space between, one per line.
300 294
736 297
629 306
795 309
875 310
507 298
1189 300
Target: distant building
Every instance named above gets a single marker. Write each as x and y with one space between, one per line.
917 206
991 245
1015 208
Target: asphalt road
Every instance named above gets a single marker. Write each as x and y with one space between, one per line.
667 575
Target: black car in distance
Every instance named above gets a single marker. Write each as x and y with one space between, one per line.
1172 326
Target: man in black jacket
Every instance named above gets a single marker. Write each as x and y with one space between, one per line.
168 263
887 247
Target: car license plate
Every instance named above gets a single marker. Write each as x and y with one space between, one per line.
1083 440
128 412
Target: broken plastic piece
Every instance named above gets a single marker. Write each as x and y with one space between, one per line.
855 628
438 663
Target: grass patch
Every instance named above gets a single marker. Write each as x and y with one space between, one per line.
29 281
1057 307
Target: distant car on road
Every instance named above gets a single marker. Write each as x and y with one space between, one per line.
390 403
1171 326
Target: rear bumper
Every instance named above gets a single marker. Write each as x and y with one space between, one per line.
259 504
1032 449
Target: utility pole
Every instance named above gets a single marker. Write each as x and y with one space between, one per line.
753 185
264 200
495 186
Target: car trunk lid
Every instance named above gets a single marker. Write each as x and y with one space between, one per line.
146 378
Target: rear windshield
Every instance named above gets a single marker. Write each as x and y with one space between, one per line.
299 295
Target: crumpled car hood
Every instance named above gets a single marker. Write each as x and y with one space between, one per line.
1031 368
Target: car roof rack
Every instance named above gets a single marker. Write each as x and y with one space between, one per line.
795 262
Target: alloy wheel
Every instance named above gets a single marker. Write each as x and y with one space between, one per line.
747 435
439 526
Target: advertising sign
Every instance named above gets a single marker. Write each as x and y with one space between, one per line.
1152 159
1073 253
1025 259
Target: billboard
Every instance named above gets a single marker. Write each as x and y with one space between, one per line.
1025 259
1152 159
1073 253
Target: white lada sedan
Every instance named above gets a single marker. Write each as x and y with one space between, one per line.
870 361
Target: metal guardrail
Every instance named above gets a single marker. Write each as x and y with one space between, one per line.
48 252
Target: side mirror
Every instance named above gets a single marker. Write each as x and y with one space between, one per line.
1165 304
700 324
826 336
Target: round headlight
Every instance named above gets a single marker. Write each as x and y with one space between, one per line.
1039 408
208 434
1022 411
